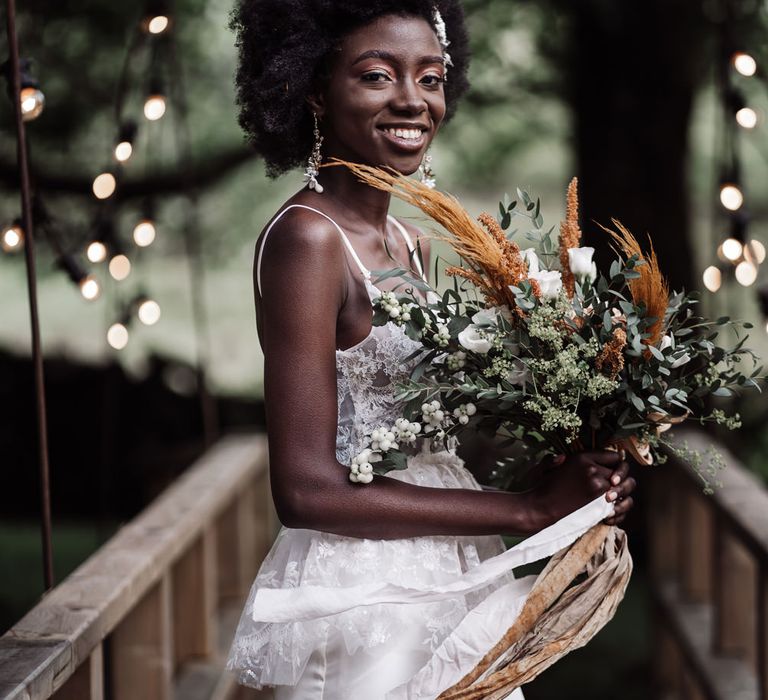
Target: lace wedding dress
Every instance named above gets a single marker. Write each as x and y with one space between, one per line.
335 618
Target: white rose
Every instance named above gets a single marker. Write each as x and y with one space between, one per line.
550 282
580 262
472 338
531 259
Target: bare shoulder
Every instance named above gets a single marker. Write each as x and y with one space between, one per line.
300 243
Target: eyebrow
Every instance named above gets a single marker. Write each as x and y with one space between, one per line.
387 56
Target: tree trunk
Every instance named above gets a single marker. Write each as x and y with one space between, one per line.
631 72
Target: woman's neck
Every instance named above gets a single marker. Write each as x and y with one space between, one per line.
360 202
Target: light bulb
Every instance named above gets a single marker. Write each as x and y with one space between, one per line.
154 107
746 273
144 233
89 287
117 336
96 252
754 252
732 249
123 151
32 103
744 64
120 267
712 278
746 117
12 238
157 24
149 312
731 197
104 186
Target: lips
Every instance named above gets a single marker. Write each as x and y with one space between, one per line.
405 138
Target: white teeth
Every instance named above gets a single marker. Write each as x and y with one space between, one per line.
411 134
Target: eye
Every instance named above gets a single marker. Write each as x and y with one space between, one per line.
376 76
432 80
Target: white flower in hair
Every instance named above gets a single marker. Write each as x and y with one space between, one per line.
442 35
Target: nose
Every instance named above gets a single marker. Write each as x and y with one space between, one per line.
408 98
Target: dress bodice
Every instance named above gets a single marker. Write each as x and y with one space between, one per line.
367 378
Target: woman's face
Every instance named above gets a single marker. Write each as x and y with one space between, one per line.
384 101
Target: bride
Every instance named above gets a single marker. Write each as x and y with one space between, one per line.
369 82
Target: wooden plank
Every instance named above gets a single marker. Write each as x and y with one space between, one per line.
195 600
719 677
696 553
742 498
736 630
142 649
87 683
87 606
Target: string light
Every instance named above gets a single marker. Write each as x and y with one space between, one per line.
148 312
31 98
12 238
144 233
754 252
731 196
158 24
117 336
154 107
125 139
89 286
744 64
746 273
746 118
712 278
156 18
96 252
104 185
120 267
731 249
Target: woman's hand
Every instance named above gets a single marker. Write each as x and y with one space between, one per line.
572 482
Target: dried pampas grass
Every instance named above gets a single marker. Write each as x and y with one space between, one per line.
493 262
651 287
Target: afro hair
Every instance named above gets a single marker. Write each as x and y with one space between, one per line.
283 46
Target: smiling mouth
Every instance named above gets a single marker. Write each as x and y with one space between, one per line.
406 139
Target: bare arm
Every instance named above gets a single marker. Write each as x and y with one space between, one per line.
303 289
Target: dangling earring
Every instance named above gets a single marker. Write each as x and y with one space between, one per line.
426 173
313 166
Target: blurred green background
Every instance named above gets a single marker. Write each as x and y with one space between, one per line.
628 96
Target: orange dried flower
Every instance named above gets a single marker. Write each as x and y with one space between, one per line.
610 361
570 236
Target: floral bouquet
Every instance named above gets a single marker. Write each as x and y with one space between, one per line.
536 345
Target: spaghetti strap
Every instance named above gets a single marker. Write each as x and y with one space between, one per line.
409 243
352 252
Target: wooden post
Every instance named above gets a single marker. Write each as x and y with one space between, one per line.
142 648
698 543
195 600
662 527
667 661
691 688
736 625
87 683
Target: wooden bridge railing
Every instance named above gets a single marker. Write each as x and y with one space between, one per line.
709 574
150 615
